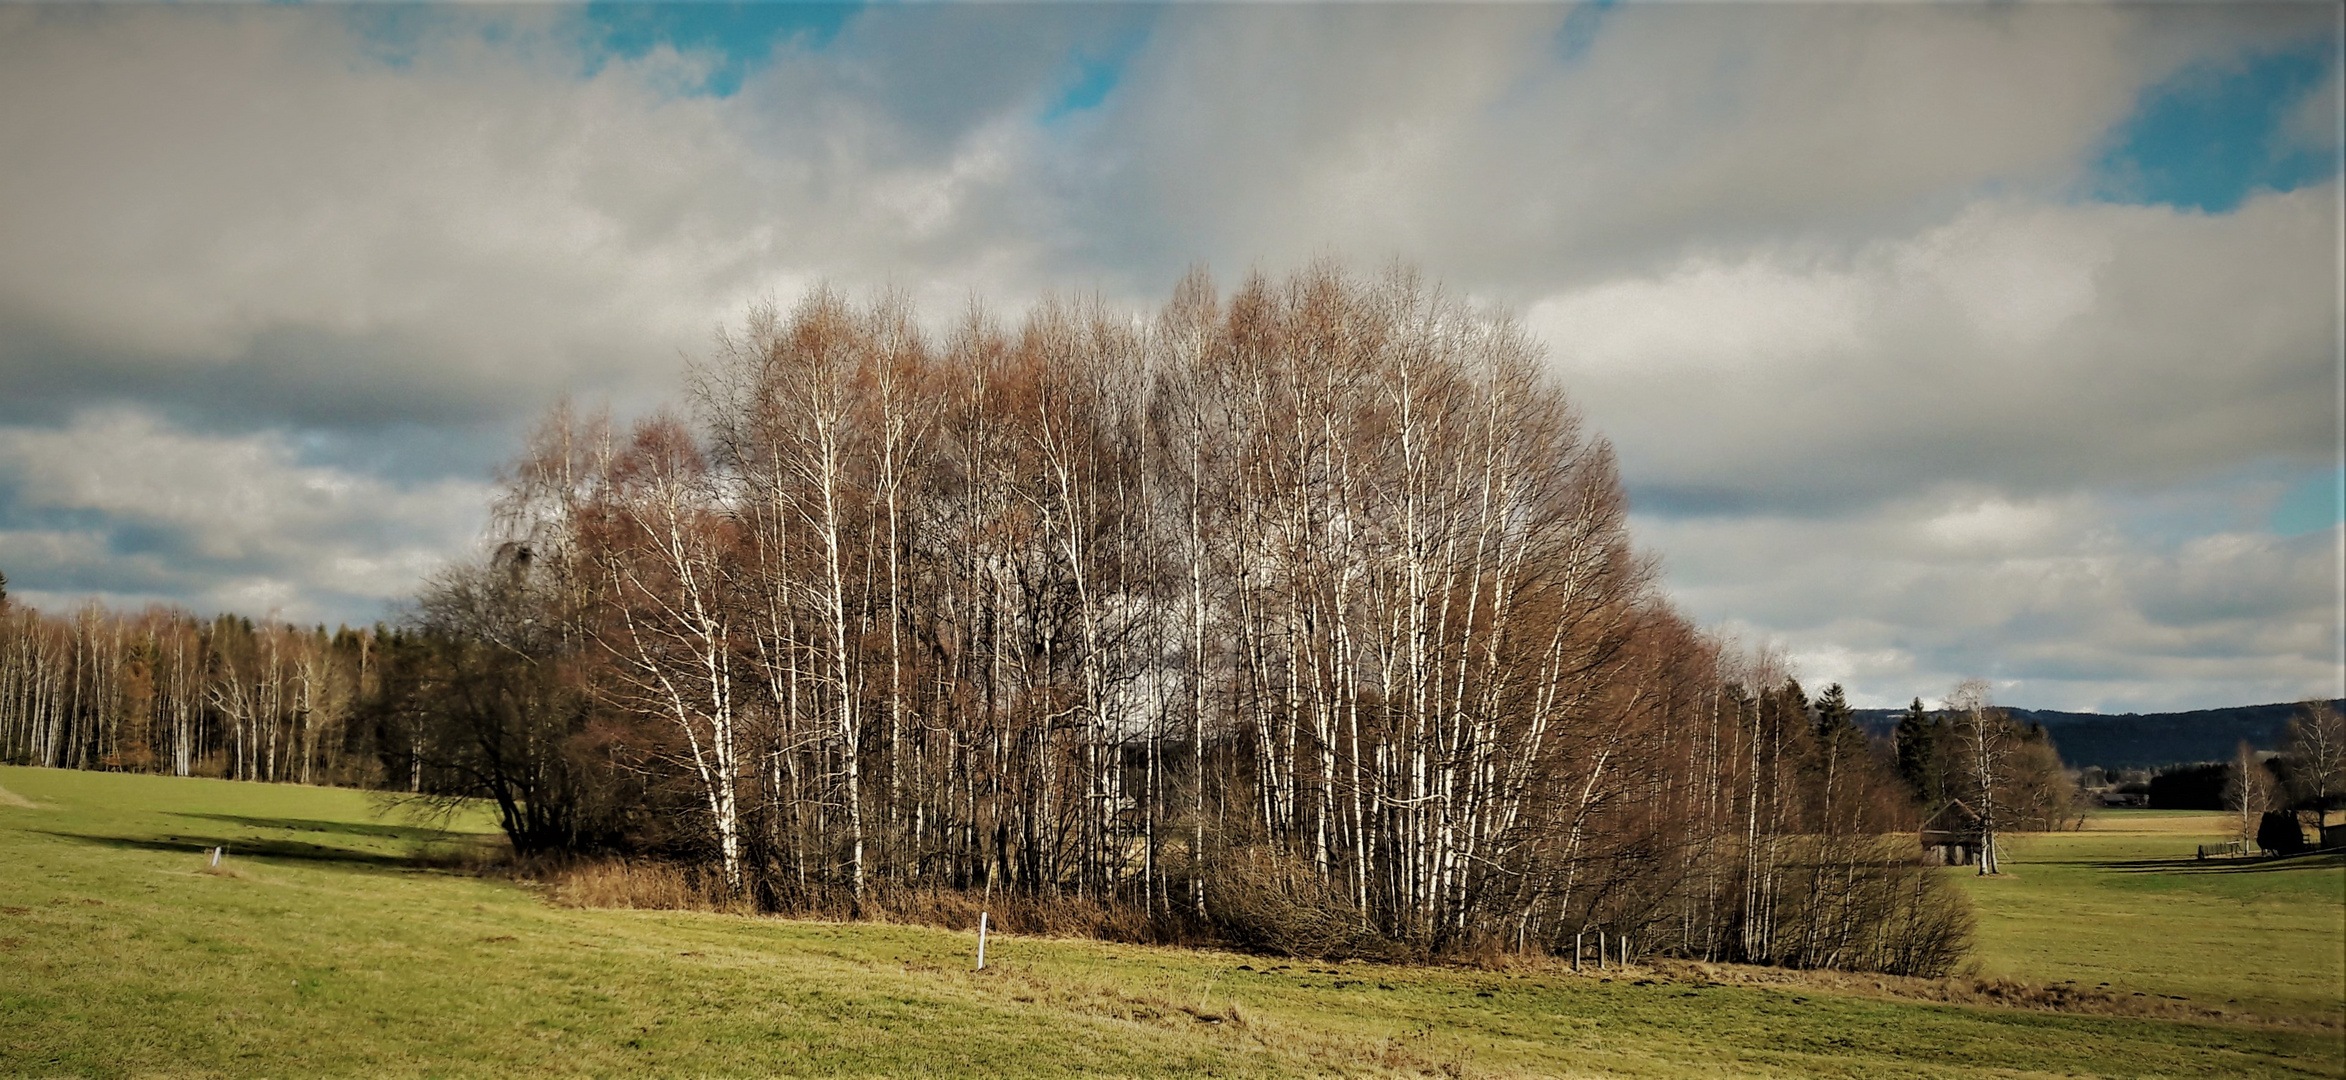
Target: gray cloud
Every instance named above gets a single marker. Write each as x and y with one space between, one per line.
2049 598
1469 140
1889 389
118 503
2034 347
236 194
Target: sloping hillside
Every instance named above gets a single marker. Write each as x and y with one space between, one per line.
2143 740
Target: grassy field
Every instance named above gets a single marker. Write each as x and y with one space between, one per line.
2125 903
327 950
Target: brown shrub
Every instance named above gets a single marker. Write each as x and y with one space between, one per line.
640 884
1264 901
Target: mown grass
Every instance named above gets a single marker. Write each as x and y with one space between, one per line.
2126 903
328 951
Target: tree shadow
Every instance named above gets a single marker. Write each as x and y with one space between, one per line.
413 833
244 847
2264 865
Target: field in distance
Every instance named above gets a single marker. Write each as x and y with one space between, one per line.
2124 903
326 948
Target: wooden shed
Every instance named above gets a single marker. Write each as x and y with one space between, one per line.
1952 836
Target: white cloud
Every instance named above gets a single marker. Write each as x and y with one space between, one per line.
223 175
2318 122
1820 265
1466 138
2052 598
235 522
2028 346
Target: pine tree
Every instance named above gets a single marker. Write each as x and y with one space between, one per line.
1917 741
1833 711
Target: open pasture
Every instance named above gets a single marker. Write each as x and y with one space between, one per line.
327 948
2126 904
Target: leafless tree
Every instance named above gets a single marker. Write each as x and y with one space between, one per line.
2248 789
1986 741
2317 756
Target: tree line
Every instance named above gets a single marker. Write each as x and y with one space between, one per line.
161 690
1301 618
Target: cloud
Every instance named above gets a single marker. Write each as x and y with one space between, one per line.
120 504
2318 123
1811 267
468 206
2038 443
2030 347
1515 155
237 193
2053 599
502 204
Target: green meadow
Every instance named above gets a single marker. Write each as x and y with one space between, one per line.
2125 903
329 944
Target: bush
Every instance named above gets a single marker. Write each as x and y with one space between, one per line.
642 884
1870 905
1268 902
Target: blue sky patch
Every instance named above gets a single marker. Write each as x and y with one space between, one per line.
1580 29
1093 80
2210 136
1095 72
2317 502
392 34
740 35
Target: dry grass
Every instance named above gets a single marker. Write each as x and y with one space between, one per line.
948 909
648 885
10 798
652 885
1264 917
655 885
640 885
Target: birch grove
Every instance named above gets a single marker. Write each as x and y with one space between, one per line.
162 691
1303 618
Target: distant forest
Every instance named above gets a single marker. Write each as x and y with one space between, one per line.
1302 619
2119 741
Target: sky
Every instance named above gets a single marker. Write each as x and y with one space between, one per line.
1937 341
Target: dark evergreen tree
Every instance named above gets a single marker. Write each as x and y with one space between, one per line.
1917 742
1838 738
1791 704
1833 713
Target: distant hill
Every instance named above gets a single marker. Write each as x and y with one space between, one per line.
2142 740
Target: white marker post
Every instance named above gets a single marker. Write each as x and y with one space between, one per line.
981 941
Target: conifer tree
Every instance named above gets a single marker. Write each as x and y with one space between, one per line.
1917 741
